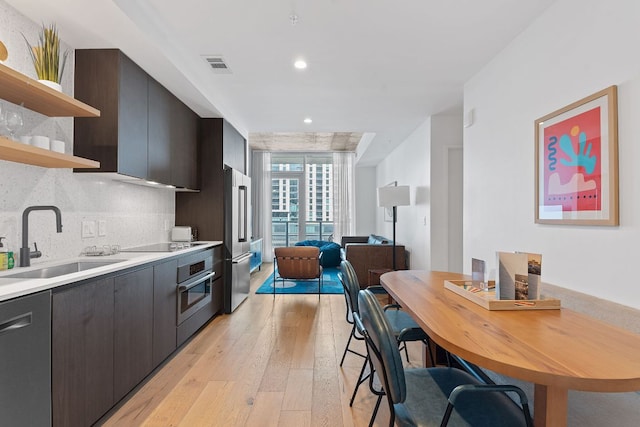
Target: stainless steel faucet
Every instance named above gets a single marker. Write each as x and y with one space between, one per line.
25 252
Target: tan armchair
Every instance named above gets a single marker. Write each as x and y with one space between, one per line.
297 263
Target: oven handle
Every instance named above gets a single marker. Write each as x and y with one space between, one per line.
196 282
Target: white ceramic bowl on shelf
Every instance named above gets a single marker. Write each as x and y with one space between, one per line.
40 141
57 146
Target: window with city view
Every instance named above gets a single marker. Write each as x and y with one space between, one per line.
301 197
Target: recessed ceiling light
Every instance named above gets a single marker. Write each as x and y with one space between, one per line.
308 120
300 64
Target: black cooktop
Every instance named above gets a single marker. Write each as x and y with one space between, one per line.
162 247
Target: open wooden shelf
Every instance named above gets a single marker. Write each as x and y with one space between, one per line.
19 89
22 153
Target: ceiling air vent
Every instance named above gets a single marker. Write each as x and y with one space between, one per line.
217 64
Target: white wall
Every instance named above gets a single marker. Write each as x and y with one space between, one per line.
446 226
577 47
366 204
134 214
410 164
421 162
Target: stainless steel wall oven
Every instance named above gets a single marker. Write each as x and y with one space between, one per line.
194 284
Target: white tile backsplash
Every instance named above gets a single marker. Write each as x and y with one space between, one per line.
134 214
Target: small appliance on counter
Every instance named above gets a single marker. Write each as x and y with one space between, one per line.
181 234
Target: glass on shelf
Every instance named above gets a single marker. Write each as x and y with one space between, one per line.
2 121
13 122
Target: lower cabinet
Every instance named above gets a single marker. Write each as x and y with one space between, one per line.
101 345
82 353
164 310
108 334
133 330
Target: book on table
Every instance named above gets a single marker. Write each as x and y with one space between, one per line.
518 275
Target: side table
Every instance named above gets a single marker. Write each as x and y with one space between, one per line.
255 262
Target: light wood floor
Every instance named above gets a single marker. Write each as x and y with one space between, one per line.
270 363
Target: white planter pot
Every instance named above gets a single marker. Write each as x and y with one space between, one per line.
52 85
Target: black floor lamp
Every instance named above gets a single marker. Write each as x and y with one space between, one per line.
392 197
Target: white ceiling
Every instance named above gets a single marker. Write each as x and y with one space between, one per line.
377 67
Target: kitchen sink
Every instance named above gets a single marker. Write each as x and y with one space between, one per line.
61 270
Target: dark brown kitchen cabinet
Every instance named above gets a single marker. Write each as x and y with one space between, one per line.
82 353
113 83
220 145
164 310
133 330
184 146
144 130
160 132
234 148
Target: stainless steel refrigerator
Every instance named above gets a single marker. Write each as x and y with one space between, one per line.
237 237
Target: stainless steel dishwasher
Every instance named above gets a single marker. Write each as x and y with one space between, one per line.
25 361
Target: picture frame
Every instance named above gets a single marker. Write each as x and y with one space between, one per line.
576 163
388 212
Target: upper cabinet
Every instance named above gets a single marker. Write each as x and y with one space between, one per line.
221 144
144 131
234 148
184 165
20 89
160 106
173 136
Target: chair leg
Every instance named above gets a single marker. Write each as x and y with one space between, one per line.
375 410
427 342
402 345
361 379
353 330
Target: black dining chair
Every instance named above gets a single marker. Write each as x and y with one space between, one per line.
432 396
346 269
404 328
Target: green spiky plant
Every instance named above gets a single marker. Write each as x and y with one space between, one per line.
47 59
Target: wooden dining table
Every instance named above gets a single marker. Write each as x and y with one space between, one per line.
557 350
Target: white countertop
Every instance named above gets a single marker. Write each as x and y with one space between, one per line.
14 287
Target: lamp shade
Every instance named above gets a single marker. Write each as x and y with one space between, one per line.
394 196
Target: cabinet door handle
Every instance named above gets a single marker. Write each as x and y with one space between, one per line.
15 323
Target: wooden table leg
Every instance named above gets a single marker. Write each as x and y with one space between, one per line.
550 406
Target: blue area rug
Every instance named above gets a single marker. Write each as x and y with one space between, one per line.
330 284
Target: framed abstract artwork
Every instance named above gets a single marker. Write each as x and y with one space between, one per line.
576 162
